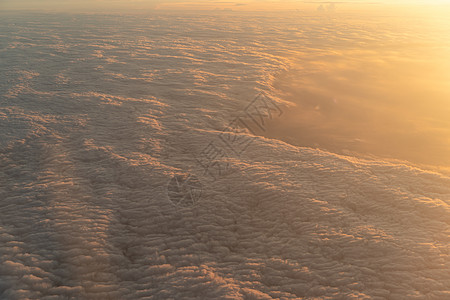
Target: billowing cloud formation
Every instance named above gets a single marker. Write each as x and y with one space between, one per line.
330 7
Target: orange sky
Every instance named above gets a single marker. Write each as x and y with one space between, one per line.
249 5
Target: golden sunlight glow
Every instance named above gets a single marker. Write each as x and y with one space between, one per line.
390 98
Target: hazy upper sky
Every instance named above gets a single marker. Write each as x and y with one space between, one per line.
196 4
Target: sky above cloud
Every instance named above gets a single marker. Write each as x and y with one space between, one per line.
193 5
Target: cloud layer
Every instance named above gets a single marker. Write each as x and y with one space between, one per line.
96 119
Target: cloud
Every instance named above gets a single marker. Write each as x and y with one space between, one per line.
330 7
90 145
